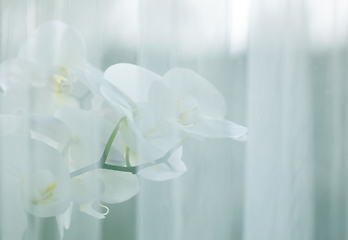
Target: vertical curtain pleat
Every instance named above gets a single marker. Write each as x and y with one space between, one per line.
279 164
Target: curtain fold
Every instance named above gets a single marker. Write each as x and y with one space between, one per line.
279 165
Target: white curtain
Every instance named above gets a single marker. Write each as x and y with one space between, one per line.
281 66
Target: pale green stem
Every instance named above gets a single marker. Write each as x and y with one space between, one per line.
127 158
111 140
131 169
103 157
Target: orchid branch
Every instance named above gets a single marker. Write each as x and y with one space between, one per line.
131 169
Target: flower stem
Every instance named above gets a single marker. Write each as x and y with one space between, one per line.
111 140
131 169
103 158
127 158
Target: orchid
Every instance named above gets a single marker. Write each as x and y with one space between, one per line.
56 152
147 135
44 70
182 96
82 138
39 186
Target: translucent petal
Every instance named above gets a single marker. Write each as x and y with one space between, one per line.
164 98
85 150
133 80
119 186
27 157
90 76
66 101
79 89
31 99
18 71
116 98
87 208
137 143
213 128
86 188
45 126
64 220
188 83
54 44
85 123
162 172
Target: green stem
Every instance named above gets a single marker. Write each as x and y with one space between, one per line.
103 158
111 140
131 169
127 158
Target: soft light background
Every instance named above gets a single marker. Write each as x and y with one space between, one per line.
281 65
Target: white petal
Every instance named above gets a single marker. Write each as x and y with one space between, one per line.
86 188
117 100
90 76
86 123
133 80
87 208
50 130
119 186
31 99
64 220
33 159
79 89
217 129
19 71
137 143
188 83
64 100
164 98
85 150
54 44
162 172
13 219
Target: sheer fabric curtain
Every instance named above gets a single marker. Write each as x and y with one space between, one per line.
281 66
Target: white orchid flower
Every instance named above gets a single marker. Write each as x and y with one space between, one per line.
34 179
146 133
81 137
44 68
185 98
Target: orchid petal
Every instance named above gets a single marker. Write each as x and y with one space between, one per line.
87 208
221 128
44 126
86 188
44 170
119 186
133 80
19 71
115 97
188 83
85 123
66 100
29 98
164 98
161 172
91 77
85 150
54 44
64 221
